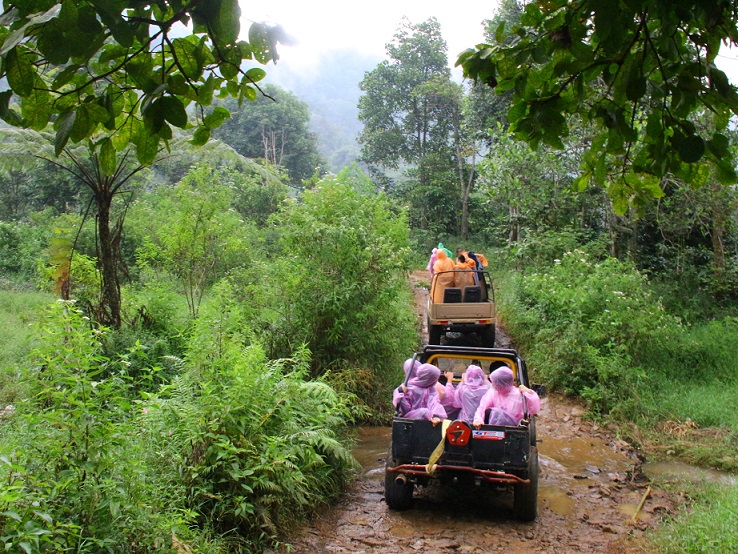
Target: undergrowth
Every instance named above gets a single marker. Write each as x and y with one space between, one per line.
229 455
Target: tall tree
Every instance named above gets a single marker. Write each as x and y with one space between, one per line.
276 128
637 70
410 108
117 75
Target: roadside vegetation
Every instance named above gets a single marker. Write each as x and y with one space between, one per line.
218 415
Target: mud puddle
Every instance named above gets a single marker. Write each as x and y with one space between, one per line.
673 471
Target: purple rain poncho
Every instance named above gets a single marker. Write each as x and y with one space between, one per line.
421 399
432 261
470 393
506 400
397 394
448 399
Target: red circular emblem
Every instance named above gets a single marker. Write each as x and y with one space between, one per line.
458 433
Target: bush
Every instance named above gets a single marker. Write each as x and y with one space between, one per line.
249 444
227 457
339 283
589 327
74 476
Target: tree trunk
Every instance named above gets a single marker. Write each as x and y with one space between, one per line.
110 302
466 188
514 230
720 211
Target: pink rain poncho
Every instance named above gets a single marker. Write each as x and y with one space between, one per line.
397 394
448 398
432 261
440 282
421 399
505 400
470 392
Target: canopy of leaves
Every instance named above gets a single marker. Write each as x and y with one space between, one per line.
122 72
639 69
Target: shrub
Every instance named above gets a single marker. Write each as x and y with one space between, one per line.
249 444
339 284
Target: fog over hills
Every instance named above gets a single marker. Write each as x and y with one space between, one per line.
331 89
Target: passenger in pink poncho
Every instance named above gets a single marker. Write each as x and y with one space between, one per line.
399 392
432 261
421 400
505 400
447 393
470 392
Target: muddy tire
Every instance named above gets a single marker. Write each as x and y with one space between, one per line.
434 334
487 336
397 494
525 500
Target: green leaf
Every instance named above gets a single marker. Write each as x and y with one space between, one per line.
719 145
65 76
227 25
36 107
174 111
259 41
7 114
200 136
249 93
147 146
255 74
635 88
185 52
63 126
217 117
108 162
691 149
83 124
19 71
153 116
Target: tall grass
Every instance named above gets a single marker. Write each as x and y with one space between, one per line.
594 328
18 311
709 528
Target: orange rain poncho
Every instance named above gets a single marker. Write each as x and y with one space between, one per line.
465 276
440 282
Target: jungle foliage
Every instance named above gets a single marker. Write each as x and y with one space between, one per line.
196 423
639 71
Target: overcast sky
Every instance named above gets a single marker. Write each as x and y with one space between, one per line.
322 25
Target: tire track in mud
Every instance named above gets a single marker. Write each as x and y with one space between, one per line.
590 485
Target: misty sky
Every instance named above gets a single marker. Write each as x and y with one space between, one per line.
322 25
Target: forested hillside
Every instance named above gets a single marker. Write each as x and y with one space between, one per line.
331 90
200 292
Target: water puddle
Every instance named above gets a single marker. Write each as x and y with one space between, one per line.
682 472
579 458
371 448
557 500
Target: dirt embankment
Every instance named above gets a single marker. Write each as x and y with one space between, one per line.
590 487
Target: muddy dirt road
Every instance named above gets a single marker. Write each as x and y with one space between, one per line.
589 488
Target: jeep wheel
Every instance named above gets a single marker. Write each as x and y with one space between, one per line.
434 334
525 501
398 493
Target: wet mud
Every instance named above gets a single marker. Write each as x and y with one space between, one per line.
590 487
